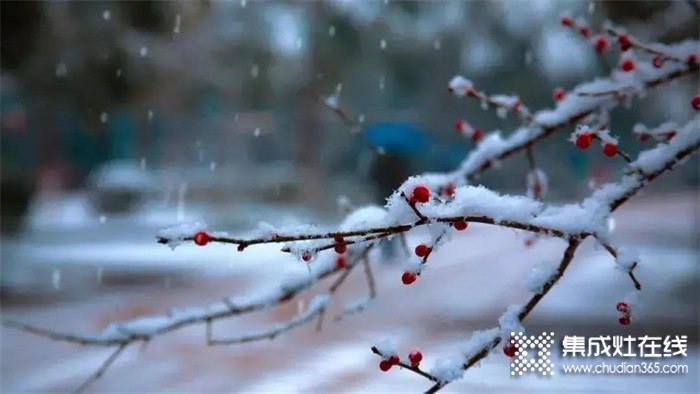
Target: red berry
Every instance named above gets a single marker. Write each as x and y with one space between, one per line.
408 277
420 194
394 359
460 225
622 307
566 21
584 31
537 188
670 136
476 134
385 365
516 105
692 59
306 256
583 141
624 41
340 248
415 357
460 125
559 94
657 61
695 102
510 350
601 44
627 65
449 189
340 262
609 149
201 238
625 320
643 137
422 250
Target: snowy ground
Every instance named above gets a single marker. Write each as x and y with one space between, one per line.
469 284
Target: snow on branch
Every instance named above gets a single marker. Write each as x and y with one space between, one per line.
315 308
146 328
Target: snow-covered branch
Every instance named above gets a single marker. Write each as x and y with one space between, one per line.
652 163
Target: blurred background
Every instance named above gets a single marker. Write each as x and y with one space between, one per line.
121 118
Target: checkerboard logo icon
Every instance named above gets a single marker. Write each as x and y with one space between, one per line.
535 346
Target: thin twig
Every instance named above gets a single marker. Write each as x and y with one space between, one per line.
103 368
630 272
360 306
407 366
273 332
531 304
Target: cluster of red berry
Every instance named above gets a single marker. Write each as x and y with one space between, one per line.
462 127
340 248
422 194
623 308
659 60
584 140
601 44
447 190
569 22
415 357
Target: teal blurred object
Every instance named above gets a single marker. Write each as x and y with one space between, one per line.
122 134
446 157
398 138
18 160
578 161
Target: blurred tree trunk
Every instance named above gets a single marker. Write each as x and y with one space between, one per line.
310 137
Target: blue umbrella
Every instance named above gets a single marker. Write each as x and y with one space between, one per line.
446 157
398 137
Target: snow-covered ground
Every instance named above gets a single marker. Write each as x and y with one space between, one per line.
467 285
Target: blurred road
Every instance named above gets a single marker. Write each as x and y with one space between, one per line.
468 285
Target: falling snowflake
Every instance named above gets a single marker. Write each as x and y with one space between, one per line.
176 29
61 70
529 57
56 279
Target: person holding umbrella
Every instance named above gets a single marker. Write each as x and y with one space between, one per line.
402 149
